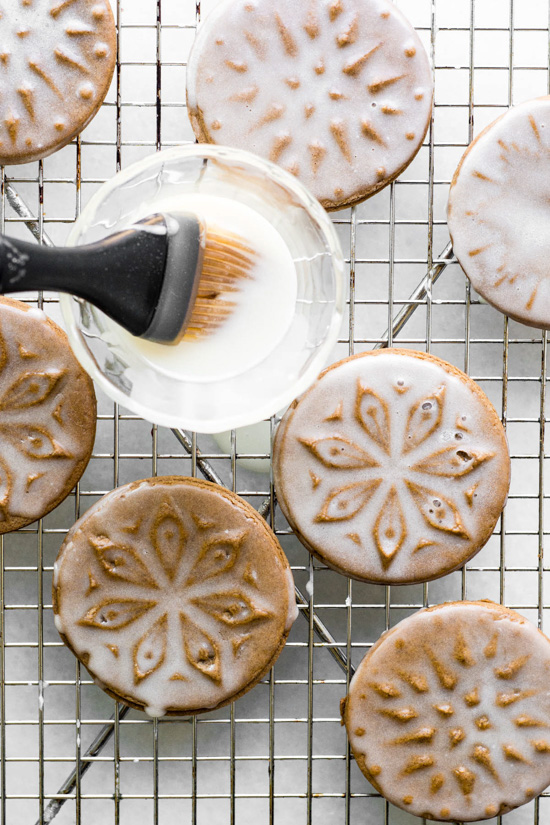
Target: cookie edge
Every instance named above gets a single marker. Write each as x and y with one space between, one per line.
483 133
40 154
91 404
279 441
250 512
506 613
202 134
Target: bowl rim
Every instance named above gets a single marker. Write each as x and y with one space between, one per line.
252 414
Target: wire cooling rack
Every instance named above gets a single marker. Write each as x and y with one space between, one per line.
69 754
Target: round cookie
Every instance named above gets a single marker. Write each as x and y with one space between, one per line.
393 467
175 594
448 714
47 416
56 63
338 92
499 210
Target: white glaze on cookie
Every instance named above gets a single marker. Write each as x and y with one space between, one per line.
174 593
338 93
449 714
499 211
393 467
47 416
56 62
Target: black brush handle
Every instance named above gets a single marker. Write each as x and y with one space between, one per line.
122 275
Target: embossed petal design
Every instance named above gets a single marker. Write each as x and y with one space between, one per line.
34 441
425 416
32 389
128 566
121 561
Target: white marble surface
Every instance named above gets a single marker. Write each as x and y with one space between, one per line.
471 335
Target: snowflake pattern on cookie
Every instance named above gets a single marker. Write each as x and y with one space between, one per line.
44 441
338 92
174 594
392 462
56 62
172 546
392 467
451 708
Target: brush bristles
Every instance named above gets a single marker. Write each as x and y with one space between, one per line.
227 263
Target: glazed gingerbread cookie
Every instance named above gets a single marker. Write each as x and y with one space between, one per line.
47 416
338 92
175 594
499 210
393 467
448 715
56 63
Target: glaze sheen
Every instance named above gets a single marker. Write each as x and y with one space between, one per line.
448 715
499 209
47 416
392 467
338 92
56 62
175 594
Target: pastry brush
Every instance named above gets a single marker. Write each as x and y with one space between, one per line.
163 278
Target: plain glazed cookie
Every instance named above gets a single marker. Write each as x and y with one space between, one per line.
56 63
499 211
448 715
47 416
393 467
175 594
338 92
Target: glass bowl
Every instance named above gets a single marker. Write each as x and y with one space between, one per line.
258 390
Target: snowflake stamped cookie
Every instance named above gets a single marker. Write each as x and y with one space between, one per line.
393 467
337 92
57 59
498 213
175 594
448 715
47 416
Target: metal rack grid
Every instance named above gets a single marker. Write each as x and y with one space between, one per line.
69 754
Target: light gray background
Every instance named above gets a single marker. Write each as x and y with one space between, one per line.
487 56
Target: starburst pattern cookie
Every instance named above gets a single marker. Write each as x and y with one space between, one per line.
175 595
499 209
393 467
338 92
47 416
56 62
448 715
